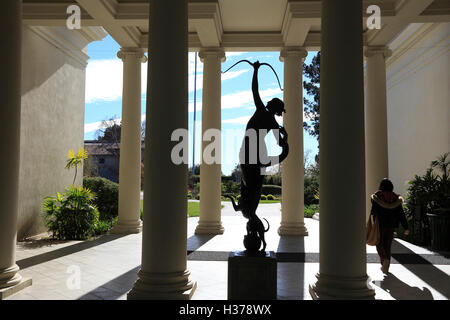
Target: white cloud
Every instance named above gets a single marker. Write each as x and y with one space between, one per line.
94 126
232 54
233 74
240 99
104 79
191 64
244 120
239 120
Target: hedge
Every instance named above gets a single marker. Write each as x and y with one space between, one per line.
271 189
106 196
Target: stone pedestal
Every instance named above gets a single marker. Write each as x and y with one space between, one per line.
252 276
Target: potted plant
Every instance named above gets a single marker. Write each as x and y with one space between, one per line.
421 191
439 216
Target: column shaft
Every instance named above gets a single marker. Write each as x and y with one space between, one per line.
292 212
10 93
163 273
130 143
342 272
210 174
377 163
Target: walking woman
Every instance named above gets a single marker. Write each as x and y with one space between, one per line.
387 206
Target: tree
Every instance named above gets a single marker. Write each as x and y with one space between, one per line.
236 173
312 107
311 183
195 170
143 129
110 135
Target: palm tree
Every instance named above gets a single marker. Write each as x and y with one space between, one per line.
442 163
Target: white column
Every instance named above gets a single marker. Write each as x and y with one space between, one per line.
10 93
342 272
164 273
210 174
292 207
130 143
377 163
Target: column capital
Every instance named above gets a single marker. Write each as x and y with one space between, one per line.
299 52
370 51
136 52
215 52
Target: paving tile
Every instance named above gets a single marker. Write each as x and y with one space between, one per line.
109 265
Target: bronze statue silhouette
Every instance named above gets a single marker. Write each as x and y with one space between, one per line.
254 159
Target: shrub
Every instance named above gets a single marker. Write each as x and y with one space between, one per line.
105 226
271 189
270 197
263 197
427 194
73 215
310 189
231 187
106 196
311 210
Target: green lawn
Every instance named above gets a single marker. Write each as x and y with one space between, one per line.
193 208
260 201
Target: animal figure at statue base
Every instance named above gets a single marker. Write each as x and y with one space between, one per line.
255 227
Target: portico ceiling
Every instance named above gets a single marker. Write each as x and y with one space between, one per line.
235 25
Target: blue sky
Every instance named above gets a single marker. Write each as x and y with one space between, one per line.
104 101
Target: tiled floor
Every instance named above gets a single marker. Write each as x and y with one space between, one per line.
108 266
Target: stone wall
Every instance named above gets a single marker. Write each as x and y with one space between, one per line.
52 120
418 100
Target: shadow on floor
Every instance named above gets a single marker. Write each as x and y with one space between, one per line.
114 289
34 244
402 291
61 252
433 276
291 276
197 240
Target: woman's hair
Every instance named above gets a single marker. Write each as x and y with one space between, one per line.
276 105
386 185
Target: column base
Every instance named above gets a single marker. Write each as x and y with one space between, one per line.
162 286
341 288
10 277
127 227
292 229
209 228
11 281
9 291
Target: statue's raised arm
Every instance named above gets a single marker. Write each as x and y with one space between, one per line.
256 98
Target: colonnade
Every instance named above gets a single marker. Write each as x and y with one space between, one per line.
353 150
